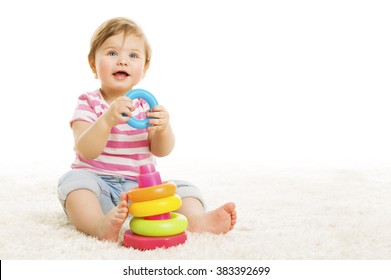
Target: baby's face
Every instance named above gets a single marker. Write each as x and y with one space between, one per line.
120 62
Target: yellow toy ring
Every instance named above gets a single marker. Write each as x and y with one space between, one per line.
155 207
175 225
150 193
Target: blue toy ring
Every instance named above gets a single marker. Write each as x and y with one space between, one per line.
149 98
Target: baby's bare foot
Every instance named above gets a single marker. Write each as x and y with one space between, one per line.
112 221
220 220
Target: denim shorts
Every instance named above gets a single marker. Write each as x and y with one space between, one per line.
108 188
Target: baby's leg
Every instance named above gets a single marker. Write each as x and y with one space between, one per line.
85 213
220 220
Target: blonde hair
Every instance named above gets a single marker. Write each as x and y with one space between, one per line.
113 27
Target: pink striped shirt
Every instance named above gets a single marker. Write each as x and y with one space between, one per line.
127 148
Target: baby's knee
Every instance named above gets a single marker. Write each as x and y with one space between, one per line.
186 189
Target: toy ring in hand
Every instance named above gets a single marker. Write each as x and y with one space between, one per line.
175 225
149 98
151 193
155 207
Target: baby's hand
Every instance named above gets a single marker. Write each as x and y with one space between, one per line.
114 115
159 118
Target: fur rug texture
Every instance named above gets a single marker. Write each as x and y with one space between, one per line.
283 214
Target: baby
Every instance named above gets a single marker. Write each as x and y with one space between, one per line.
109 151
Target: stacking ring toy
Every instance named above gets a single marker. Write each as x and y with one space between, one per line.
144 194
155 207
177 224
149 98
150 243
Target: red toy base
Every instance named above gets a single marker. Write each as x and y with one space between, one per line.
150 243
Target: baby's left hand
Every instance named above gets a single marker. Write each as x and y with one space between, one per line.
159 118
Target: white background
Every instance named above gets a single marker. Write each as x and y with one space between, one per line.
272 82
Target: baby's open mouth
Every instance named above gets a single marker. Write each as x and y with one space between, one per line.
121 74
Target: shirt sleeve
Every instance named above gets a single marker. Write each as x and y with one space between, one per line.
85 110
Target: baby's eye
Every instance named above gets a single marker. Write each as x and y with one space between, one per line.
112 53
133 55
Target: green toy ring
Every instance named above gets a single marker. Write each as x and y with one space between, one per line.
177 224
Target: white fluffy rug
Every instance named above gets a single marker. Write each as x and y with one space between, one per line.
283 213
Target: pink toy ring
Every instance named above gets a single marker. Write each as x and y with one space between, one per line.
150 193
150 243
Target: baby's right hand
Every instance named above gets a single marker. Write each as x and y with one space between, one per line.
120 110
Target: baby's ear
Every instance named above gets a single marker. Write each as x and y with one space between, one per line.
145 69
92 66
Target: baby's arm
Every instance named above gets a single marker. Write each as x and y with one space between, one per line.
91 138
160 134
